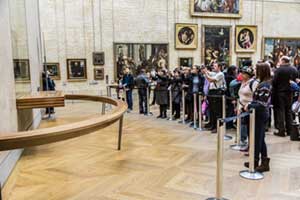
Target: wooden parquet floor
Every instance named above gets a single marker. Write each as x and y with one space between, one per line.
160 160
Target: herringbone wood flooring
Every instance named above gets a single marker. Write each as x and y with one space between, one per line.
160 160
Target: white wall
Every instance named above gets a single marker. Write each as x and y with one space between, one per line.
8 122
22 25
76 28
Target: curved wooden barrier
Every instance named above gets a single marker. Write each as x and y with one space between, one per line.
9 141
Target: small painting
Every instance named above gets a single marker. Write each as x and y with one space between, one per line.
21 70
186 62
54 70
98 58
99 74
242 60
76 69
186 36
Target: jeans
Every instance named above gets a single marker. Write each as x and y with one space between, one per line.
244 128
129 99
261 119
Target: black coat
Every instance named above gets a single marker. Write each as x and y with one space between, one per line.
176 85
282 77
189 81
161 90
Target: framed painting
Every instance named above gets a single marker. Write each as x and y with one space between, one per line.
245 38
216 45
99 74
275 48
186 36
98 58
137 56
22 70
54 70
216 8
241 60
186 62
76 69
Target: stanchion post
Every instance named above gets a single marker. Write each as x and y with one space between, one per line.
107 91
103 108
171 104
220 151
272 116
183 107
226 137
148 103
120 132
200 112
195 111
251 173
238 146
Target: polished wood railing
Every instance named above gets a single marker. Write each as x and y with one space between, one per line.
9 141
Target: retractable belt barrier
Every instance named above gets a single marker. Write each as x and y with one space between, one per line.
250 174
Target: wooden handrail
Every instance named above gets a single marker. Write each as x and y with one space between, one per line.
9 141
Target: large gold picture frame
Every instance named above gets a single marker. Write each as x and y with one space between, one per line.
275 47
206 51
186 36
245 38
208 8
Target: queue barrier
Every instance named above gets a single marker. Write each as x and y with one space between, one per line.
250 174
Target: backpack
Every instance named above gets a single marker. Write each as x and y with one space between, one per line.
235 85
263 93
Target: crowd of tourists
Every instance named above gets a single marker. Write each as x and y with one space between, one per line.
259 86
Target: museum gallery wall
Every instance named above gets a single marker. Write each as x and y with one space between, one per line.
112 34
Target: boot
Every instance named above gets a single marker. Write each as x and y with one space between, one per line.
246 164
264 167
160 114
